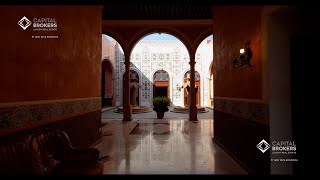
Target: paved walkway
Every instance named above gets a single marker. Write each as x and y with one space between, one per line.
110 114
168 146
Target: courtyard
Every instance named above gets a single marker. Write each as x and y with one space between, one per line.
109 113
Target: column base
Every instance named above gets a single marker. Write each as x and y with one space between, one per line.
193 113
193 119
127 113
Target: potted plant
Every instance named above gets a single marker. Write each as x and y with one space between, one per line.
160 105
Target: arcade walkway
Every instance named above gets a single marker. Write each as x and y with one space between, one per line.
167 146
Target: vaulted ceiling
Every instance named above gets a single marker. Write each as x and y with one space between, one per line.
157 9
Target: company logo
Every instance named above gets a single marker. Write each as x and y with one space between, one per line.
24 23
45 24
263 146
39 24
284 147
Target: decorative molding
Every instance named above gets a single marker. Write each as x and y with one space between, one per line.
23 103
241 99
23 115
137 23
255 111
119 65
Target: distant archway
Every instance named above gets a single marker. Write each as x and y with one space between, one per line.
133 74
107 84
149 59
204 55
112 54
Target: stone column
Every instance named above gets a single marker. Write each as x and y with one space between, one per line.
188 99
127 110
192 107
133 97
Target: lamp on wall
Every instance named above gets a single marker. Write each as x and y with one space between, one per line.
245 56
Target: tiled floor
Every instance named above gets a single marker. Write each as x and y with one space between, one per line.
151 146
111 114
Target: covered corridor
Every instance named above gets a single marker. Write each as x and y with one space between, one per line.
57 83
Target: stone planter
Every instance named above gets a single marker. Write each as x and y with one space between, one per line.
160 115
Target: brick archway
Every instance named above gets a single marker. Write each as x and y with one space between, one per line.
190 32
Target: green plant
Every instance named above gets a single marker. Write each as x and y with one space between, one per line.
160 104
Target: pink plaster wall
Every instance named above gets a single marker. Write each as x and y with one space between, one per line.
109 54
44 69
233 26
108 51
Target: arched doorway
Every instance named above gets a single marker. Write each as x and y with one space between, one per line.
155 52
186 85
107 84
113 52
204 63
161 84
134 92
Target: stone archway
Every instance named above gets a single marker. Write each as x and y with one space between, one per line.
107 84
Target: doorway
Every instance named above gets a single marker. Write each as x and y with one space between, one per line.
161 84
160 91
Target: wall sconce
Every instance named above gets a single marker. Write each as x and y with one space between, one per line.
178 87
244 58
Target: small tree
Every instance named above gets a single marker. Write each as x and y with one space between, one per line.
160 104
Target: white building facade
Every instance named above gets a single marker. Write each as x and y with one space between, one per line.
170 56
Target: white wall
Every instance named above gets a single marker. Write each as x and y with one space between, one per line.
175 65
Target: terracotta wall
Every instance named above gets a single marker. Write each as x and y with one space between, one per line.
241 116
233 26
239 137
51 82
42 69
